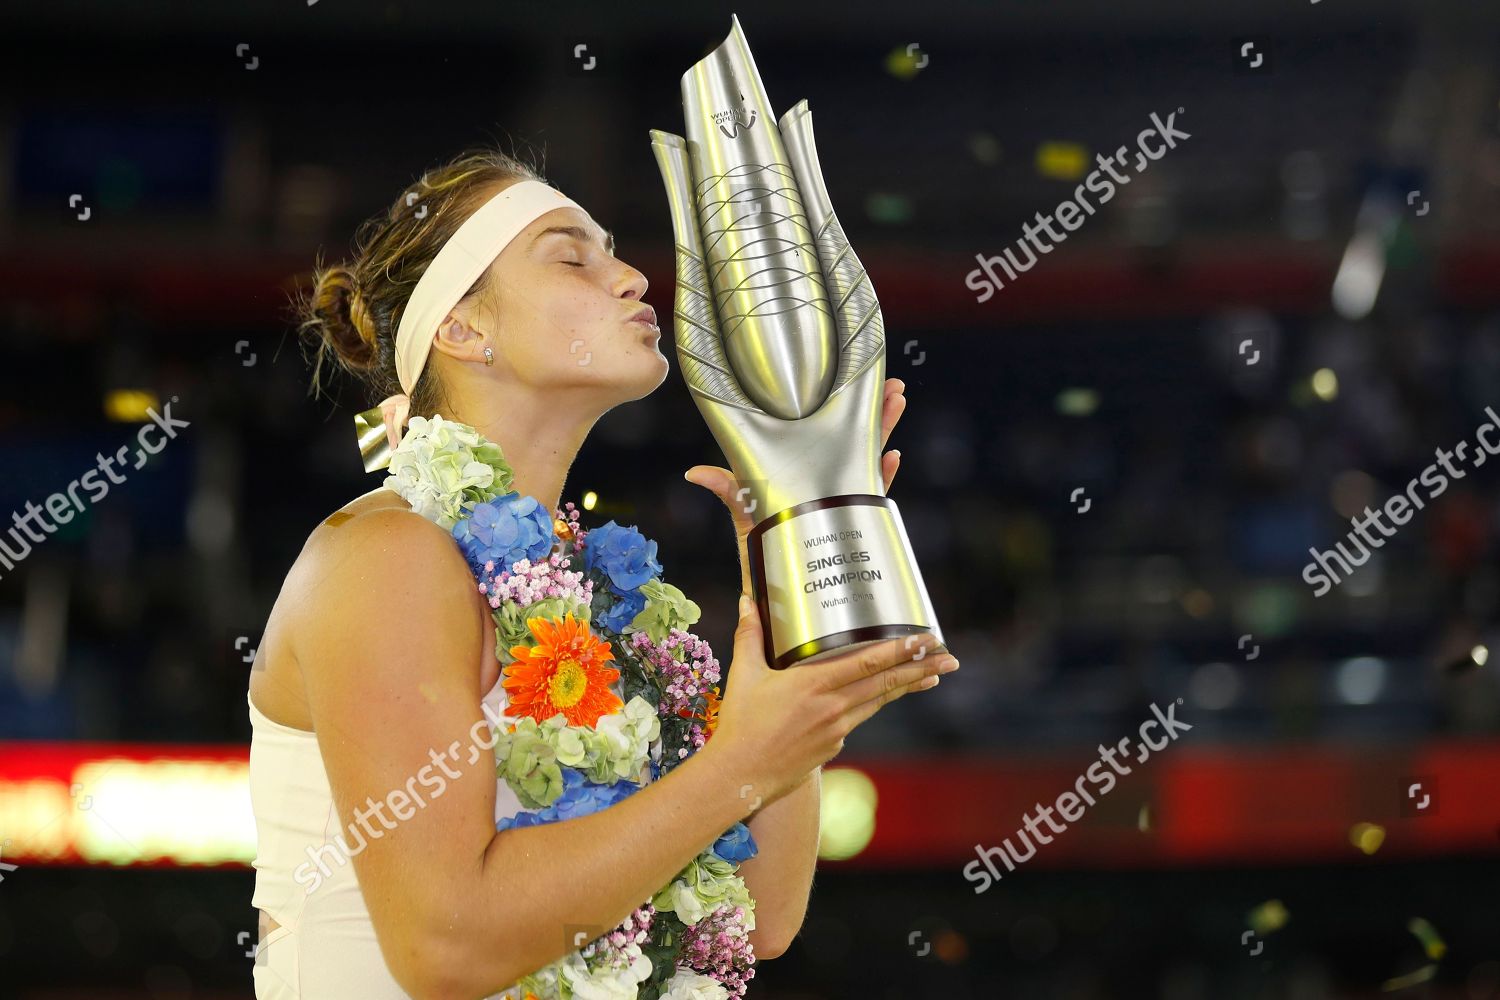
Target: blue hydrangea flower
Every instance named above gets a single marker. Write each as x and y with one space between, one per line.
506 529
624 555
736 845
624 610
523 819
580 797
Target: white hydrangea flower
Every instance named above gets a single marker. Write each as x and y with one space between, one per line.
680 898
707 883
686 984
626 736
610 984
570 747
440 465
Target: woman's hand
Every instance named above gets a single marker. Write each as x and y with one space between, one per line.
720 481
776 726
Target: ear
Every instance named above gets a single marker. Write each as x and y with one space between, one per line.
455 337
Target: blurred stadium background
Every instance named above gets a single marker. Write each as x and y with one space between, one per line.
1114 467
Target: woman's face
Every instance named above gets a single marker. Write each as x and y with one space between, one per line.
561 311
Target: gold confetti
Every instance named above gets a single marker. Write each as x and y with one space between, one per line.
905 62
1268 917
1432 942
1062 161
1423 974
1367 836
130 405
428 693
1143 818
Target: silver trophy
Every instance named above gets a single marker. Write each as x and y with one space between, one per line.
780 339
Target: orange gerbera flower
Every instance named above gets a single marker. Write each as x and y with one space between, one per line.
567 671
710 714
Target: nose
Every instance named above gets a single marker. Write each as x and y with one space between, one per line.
631 283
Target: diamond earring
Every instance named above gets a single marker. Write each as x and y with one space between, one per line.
489 356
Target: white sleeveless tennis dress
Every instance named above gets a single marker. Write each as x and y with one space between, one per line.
325 947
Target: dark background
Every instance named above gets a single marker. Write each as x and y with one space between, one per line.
1112 366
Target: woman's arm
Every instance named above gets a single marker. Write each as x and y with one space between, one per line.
780 875
387 644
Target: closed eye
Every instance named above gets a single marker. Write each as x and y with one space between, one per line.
571 263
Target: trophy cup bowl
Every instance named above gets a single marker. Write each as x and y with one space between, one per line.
780 340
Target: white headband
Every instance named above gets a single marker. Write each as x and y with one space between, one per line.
459 264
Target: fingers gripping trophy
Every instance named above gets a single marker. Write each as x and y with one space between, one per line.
780 339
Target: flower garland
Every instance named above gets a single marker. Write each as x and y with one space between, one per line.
609 691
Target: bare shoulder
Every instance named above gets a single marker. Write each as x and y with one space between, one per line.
372 558
376 535
375 509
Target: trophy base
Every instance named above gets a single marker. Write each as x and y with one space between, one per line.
834 574
845 642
